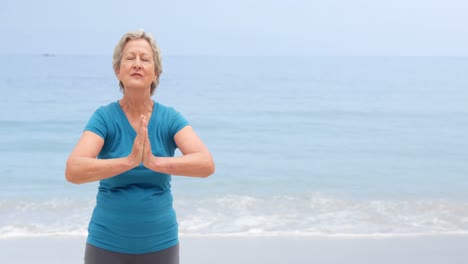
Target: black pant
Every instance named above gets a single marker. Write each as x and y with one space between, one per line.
95 255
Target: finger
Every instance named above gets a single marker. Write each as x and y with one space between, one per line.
141 123
144 131
147 147
142 119
145 136
142 126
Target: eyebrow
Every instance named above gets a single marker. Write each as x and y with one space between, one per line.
133 53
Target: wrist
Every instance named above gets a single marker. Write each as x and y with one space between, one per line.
154 163
132 161
150 162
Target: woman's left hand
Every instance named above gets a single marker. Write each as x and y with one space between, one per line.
196 160
148 157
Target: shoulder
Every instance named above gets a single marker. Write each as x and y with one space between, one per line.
110 107
104 114
101 120
107 110
169 117
161 107
164 110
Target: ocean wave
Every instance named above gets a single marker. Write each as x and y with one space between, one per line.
256 215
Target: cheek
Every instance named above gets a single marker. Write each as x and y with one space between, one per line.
124 70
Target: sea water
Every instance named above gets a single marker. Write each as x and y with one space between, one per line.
303 146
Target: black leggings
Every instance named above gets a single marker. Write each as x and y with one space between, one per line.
95 255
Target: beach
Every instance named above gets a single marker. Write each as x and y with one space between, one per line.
227 250
320 160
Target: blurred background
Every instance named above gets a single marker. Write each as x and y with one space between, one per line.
329 119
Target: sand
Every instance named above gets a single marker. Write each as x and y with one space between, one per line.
246 250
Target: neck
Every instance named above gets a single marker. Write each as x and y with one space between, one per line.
137 104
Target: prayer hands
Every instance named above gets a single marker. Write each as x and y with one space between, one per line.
141 151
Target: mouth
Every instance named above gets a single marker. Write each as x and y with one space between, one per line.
136 75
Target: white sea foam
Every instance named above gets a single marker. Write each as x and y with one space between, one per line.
318 214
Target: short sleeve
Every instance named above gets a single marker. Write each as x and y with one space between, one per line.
97 124
178 122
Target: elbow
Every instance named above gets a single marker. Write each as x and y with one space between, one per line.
70 176
209 169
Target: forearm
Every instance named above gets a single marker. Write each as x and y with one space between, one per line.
193 165
83 169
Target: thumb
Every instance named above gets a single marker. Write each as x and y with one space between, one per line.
146 141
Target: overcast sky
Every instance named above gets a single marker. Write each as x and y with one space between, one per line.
240 27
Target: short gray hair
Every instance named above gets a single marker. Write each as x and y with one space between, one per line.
132 35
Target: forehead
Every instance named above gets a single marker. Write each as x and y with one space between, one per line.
137 46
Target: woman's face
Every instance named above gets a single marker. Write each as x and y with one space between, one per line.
137 65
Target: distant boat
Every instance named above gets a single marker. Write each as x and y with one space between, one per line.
48 55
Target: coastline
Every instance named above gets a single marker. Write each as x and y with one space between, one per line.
430 249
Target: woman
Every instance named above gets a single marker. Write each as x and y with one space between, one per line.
129 147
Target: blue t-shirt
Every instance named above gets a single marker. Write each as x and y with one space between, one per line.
134 212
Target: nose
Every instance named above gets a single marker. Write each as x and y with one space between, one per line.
137 64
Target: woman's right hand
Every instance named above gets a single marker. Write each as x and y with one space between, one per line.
136 156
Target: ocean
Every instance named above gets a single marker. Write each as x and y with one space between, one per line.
303 146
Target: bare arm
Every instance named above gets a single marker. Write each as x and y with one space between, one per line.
82 165
195 162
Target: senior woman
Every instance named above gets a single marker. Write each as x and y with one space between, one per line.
128 146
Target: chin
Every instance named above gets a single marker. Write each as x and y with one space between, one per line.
138 86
